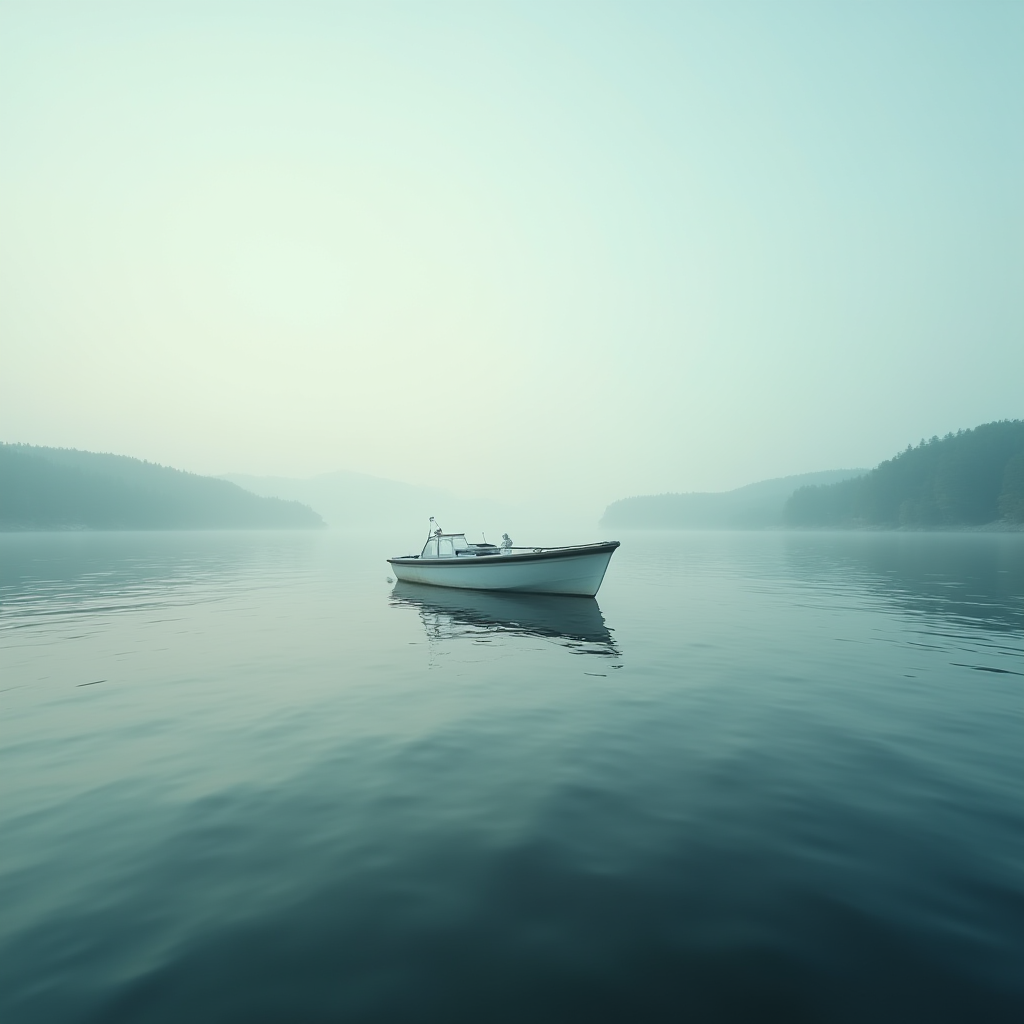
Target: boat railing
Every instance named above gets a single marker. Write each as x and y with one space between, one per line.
548 547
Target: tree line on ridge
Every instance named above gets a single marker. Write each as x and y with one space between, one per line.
970 478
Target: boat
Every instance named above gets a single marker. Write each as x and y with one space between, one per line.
449 560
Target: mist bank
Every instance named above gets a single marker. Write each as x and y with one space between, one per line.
66 489
969 479
756 506
348 500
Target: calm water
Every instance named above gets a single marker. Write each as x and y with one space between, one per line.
762 777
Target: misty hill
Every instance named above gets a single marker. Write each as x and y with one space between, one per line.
61 488
970 478
349 500
753 507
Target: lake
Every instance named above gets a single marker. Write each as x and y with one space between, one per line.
763 776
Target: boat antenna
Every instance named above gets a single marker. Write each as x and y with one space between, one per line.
435 527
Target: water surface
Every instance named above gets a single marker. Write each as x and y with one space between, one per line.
762 776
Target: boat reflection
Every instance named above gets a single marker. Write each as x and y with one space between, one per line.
572 622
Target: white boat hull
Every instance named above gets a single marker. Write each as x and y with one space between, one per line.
573 570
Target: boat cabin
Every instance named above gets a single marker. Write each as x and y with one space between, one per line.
454 545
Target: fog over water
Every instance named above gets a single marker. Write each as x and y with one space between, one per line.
570 251
516 266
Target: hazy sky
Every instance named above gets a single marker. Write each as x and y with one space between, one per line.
502 248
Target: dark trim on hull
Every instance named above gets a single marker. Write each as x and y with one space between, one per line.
517 558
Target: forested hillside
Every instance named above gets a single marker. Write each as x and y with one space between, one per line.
58 488
970 478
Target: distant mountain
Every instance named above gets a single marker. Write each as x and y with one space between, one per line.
356 500
753 507
61 488
971 478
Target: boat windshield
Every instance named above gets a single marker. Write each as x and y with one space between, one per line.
447 545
